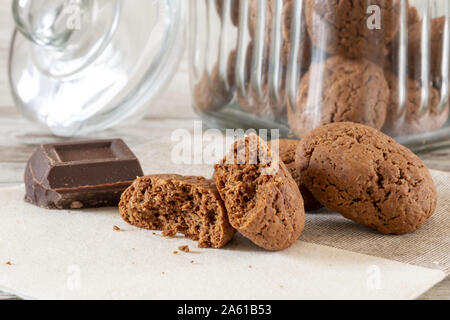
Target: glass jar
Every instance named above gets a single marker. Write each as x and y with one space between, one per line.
78 66
298 64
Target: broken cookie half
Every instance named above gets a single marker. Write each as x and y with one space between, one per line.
262 199
177 204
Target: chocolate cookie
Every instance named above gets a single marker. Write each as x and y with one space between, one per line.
305 46
285 32
213 92
234 10
415 51
287 149
253 17
340 27
391 61
262 199
367 177
413 15
340 90
176 204
261 105
413 122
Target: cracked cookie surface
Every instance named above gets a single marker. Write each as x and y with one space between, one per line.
262 199
177 204
340 90
287 149
367 177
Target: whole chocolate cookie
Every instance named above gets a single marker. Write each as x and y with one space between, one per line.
340 27
413 15
213 92
234 10
391 61
436 49
253 17
286 18
176 204
261 105
262 199
305 47
367 177
340 90
413 122
287 149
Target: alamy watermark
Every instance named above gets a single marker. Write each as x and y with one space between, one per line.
73 277
73 13
207 147
373 281
374 19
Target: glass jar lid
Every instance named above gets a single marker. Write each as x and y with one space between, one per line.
77 66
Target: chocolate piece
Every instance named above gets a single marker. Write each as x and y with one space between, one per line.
76 175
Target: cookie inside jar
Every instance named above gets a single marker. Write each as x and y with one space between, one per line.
300 64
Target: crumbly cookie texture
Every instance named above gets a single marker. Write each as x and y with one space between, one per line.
345 90
262 199
412 121
177 204
339 27
287 149
367 177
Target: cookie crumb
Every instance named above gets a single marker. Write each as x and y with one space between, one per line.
9 263
175 252
184 249
116 228
192 261
250 267
169 233
154 233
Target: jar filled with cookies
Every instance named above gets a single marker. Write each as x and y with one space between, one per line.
296 65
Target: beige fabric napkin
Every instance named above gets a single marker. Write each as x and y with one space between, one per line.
78 255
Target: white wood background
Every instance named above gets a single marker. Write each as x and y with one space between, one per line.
18 137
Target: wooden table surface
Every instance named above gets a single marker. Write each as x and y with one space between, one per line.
18 137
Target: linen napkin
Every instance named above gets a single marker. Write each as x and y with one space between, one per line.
78 254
